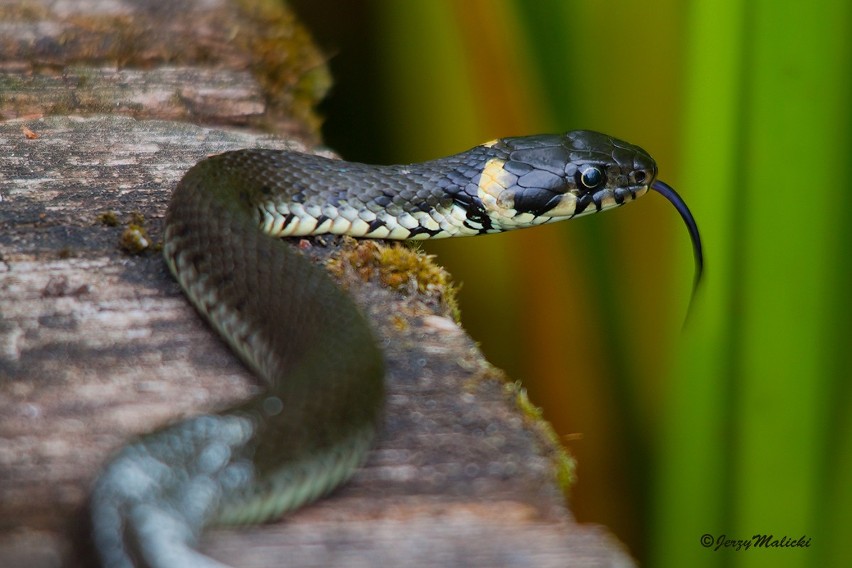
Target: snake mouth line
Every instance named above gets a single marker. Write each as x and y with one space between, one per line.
669 193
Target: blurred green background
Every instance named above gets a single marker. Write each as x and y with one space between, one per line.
738 423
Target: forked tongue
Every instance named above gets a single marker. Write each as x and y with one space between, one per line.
669 193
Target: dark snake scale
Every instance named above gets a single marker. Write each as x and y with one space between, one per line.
301 335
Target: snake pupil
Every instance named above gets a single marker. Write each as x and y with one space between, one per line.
592 177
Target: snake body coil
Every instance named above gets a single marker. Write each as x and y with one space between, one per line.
304 337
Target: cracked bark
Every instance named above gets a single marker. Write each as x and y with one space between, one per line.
97 344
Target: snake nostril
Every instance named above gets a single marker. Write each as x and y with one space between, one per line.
640 176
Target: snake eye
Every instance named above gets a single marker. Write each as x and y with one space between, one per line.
591 177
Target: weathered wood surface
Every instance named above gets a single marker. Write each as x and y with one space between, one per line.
216 62
97 344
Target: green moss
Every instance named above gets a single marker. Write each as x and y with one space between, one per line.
398 267
134 239
109 218
285 61
563 464
137 218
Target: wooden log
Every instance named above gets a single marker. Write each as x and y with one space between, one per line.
97 344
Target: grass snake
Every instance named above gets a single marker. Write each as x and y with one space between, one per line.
303 336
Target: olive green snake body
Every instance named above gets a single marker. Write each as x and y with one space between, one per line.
304 337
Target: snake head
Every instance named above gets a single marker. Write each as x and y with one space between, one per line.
542 179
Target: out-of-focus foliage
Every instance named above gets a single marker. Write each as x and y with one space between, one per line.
739 422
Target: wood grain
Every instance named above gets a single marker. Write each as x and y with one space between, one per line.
97 344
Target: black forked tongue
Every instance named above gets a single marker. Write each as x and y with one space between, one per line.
669 193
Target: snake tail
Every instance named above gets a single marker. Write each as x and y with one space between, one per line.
304 435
